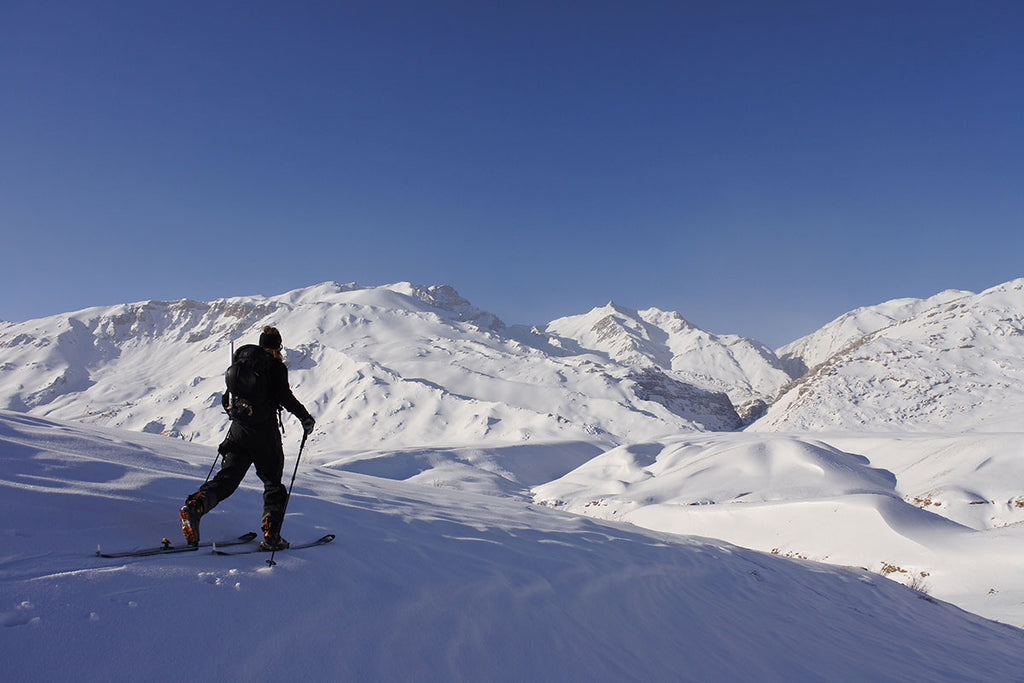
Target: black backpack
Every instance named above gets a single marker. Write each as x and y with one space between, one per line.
250 398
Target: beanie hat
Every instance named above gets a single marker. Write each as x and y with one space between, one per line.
270 338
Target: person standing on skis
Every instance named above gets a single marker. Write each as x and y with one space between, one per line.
257 383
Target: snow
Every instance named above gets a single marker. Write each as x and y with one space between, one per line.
423 583
397 366
949 363
740 367
847 329
564 503
946 510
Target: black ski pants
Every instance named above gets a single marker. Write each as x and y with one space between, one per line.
244 446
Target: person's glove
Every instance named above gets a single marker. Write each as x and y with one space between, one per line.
307 425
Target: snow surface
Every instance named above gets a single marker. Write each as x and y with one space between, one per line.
422 584
942 513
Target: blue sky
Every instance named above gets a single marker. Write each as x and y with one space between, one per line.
760 167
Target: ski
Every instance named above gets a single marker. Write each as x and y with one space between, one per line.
323 540
167 549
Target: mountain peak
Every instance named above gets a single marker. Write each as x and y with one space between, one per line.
741 368
613 308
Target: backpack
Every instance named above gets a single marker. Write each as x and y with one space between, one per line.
250 396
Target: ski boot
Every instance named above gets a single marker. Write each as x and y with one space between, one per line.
191 511
272 534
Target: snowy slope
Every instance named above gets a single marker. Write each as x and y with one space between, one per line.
955 363
849 328
423 584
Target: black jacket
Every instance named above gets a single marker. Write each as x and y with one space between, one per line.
282 392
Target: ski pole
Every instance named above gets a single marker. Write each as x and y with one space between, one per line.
270 560
215 460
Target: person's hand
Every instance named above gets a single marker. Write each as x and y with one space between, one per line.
307 425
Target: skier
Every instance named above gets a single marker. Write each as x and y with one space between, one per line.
261 390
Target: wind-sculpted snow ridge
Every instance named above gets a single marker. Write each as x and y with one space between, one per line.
424 584
952 363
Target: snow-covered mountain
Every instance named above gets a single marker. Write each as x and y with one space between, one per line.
391 369
396 366
743 369
954 362
816 348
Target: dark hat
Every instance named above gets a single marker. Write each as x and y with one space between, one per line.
270 338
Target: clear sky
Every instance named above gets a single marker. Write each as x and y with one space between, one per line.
760 167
